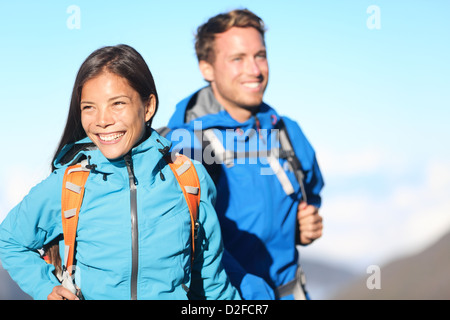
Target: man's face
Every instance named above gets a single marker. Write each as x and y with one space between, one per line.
240 72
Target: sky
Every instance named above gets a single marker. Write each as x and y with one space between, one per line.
368 82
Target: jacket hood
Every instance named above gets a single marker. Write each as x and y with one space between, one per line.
203 106
156 145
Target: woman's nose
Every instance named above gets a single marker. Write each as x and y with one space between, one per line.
104 118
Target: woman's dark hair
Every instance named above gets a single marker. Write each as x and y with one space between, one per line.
121 60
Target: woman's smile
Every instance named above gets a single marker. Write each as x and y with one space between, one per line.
110 137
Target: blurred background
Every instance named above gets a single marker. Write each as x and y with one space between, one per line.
368 81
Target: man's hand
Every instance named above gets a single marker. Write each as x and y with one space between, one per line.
310 223
61 293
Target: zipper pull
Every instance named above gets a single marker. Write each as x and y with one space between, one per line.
89 165
164 150
196 227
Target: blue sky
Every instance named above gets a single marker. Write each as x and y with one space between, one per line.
374 102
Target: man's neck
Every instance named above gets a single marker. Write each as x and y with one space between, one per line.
238 113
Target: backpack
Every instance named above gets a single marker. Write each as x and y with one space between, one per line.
74 180
286 151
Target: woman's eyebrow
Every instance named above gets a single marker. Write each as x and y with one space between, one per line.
117 97
110 99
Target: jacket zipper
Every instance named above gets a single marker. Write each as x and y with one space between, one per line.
134 226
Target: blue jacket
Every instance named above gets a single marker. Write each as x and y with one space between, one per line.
257 217
105 249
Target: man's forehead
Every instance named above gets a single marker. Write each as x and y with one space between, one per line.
237 41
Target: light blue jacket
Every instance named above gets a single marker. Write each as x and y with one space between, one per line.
118 253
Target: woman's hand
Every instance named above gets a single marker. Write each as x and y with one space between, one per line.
61 293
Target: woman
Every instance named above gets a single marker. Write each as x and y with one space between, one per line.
133 233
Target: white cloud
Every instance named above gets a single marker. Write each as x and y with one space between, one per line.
360 162
368 226
353 163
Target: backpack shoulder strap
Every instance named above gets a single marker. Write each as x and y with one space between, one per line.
291 157
74 180
187 177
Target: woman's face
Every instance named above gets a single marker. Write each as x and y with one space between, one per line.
113 114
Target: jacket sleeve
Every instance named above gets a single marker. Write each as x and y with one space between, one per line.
26 229
209 279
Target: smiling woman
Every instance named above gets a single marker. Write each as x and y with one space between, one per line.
116 67
135 235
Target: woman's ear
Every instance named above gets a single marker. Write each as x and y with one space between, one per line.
150 108
207 70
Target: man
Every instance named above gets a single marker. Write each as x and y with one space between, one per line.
262 209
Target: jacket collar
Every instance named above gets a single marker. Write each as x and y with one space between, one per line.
154 147
202 106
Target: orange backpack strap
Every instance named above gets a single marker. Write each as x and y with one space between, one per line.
72 196
187 177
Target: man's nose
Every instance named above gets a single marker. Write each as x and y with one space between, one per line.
252 67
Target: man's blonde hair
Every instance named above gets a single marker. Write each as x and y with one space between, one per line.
204 40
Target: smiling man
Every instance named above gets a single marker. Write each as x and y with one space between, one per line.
264 209
238 71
